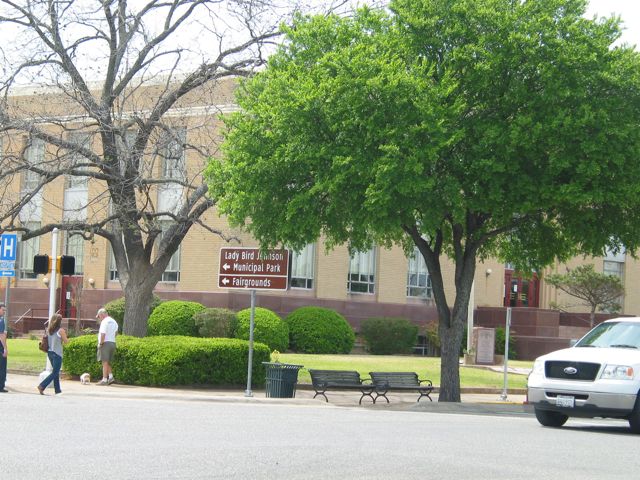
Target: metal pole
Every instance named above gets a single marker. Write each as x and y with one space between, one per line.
6 303
247 392
470 309
53 277
503 397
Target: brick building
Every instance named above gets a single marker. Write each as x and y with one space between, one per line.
380 282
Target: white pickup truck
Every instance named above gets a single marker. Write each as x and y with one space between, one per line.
598 377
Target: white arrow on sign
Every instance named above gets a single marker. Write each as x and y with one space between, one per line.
225 280
226 266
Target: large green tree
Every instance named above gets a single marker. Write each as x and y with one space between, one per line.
467 128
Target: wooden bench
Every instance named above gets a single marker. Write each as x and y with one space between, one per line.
402 381
323 380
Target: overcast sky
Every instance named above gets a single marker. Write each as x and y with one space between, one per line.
629 10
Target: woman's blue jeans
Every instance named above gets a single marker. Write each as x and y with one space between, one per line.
56 363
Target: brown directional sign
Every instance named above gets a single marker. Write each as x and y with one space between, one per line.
249 268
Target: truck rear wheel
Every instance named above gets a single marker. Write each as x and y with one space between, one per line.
551 419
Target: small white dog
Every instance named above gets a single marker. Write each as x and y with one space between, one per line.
85 379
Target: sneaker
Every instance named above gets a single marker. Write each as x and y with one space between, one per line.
110 380
103 382
58 394
41 390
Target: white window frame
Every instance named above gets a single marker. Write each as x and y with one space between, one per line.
81 139
28 249
34 155
418 278
171 273
303 267
74 246
113 268
362 272
172 155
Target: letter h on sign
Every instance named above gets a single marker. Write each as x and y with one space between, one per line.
8 247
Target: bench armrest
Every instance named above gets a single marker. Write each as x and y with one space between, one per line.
428 382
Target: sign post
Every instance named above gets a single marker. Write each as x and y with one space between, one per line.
251 269
503 397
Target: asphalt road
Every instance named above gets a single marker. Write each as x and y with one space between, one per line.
72 437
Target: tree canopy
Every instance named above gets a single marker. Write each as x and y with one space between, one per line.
122 97
467 128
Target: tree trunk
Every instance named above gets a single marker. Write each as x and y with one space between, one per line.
450 340
592 317
138 298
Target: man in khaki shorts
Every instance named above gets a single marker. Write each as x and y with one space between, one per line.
106 345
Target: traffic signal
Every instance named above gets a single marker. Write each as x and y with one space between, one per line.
41 264
65 264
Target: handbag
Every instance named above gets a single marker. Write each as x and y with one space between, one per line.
43 344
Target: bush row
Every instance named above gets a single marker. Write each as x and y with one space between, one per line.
305 330
171 360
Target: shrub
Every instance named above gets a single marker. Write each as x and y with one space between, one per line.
269 328
171 360
319 330
385 336
115 308
216 322
499 347
174 318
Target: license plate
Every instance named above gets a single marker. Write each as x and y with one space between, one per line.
565 401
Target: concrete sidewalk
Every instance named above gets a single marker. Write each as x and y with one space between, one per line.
474 401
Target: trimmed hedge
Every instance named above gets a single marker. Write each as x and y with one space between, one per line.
319 330
170 360
386 336
174 317
115 308
216 323
269 328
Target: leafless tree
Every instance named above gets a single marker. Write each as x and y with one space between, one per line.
110 77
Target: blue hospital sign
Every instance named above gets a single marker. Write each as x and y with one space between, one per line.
8 247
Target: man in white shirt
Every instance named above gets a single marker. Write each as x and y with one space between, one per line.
106 344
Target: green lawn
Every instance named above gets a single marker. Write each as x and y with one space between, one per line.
426 367
24 355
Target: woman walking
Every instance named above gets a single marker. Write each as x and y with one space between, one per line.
57 337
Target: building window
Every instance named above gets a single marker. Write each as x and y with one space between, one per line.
362 272
81 139
418 279
615 269
113 269
614 264
124 145
172 272
28 249
302 267
74 247
34 156
171 153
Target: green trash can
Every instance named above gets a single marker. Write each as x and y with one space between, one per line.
282 379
